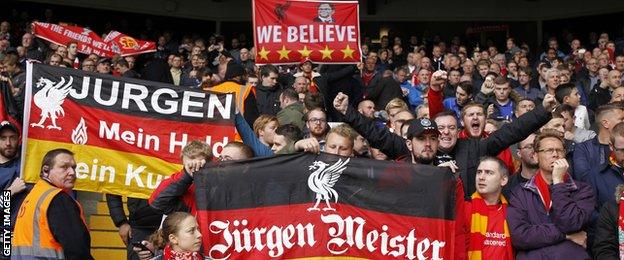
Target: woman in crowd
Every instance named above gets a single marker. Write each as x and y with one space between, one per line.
178 239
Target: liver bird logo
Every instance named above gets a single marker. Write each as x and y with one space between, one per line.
322 181
50 100
280 10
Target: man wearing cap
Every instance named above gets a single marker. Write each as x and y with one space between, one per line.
305 70
10 168
104 66
421 141
245 95
466 152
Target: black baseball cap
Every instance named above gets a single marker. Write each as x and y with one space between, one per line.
8 125
421 126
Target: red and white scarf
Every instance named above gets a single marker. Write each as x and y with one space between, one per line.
170 254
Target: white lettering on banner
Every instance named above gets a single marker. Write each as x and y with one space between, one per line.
77 36
107 174
56 28
307 33
83 171
152 142
163 101
271 33
134 174
275 239
139 139
345 233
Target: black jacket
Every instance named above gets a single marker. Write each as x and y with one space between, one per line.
371 85
141 215
335 79
599 96
68 228
467 151
268 99
387 89
606 238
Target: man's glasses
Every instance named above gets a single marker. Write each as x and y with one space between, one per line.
317 120
552 151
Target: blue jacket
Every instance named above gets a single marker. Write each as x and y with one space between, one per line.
414 96
249 138
604 180
9 171
587 155
451 104
537 234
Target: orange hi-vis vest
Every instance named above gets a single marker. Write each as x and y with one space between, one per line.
241 92
33 238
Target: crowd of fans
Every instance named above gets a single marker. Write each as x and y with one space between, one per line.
536 140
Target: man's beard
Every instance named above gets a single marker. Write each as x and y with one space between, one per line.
423 160
532 165
8 153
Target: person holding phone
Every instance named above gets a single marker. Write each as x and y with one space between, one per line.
179 238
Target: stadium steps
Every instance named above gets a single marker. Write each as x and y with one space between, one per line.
105 241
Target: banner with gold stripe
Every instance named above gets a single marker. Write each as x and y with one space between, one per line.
127 134
287 32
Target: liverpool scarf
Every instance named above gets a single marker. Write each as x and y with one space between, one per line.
544 191
479 227
170 254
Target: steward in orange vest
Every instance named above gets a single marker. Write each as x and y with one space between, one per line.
50 223
245 95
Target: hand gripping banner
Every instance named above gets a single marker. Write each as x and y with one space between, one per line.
307 205
127 134
291 31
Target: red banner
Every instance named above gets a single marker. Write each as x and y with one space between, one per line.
126 45
287 32
90 42
127 134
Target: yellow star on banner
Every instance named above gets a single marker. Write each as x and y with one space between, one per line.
348 52
264 54
326 53
283 53
305 52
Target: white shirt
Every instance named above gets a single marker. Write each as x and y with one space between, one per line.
581 117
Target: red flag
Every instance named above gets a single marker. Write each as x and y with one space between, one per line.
90 42
287 32
127 46
8 110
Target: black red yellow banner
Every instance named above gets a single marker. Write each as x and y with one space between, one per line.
127 134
